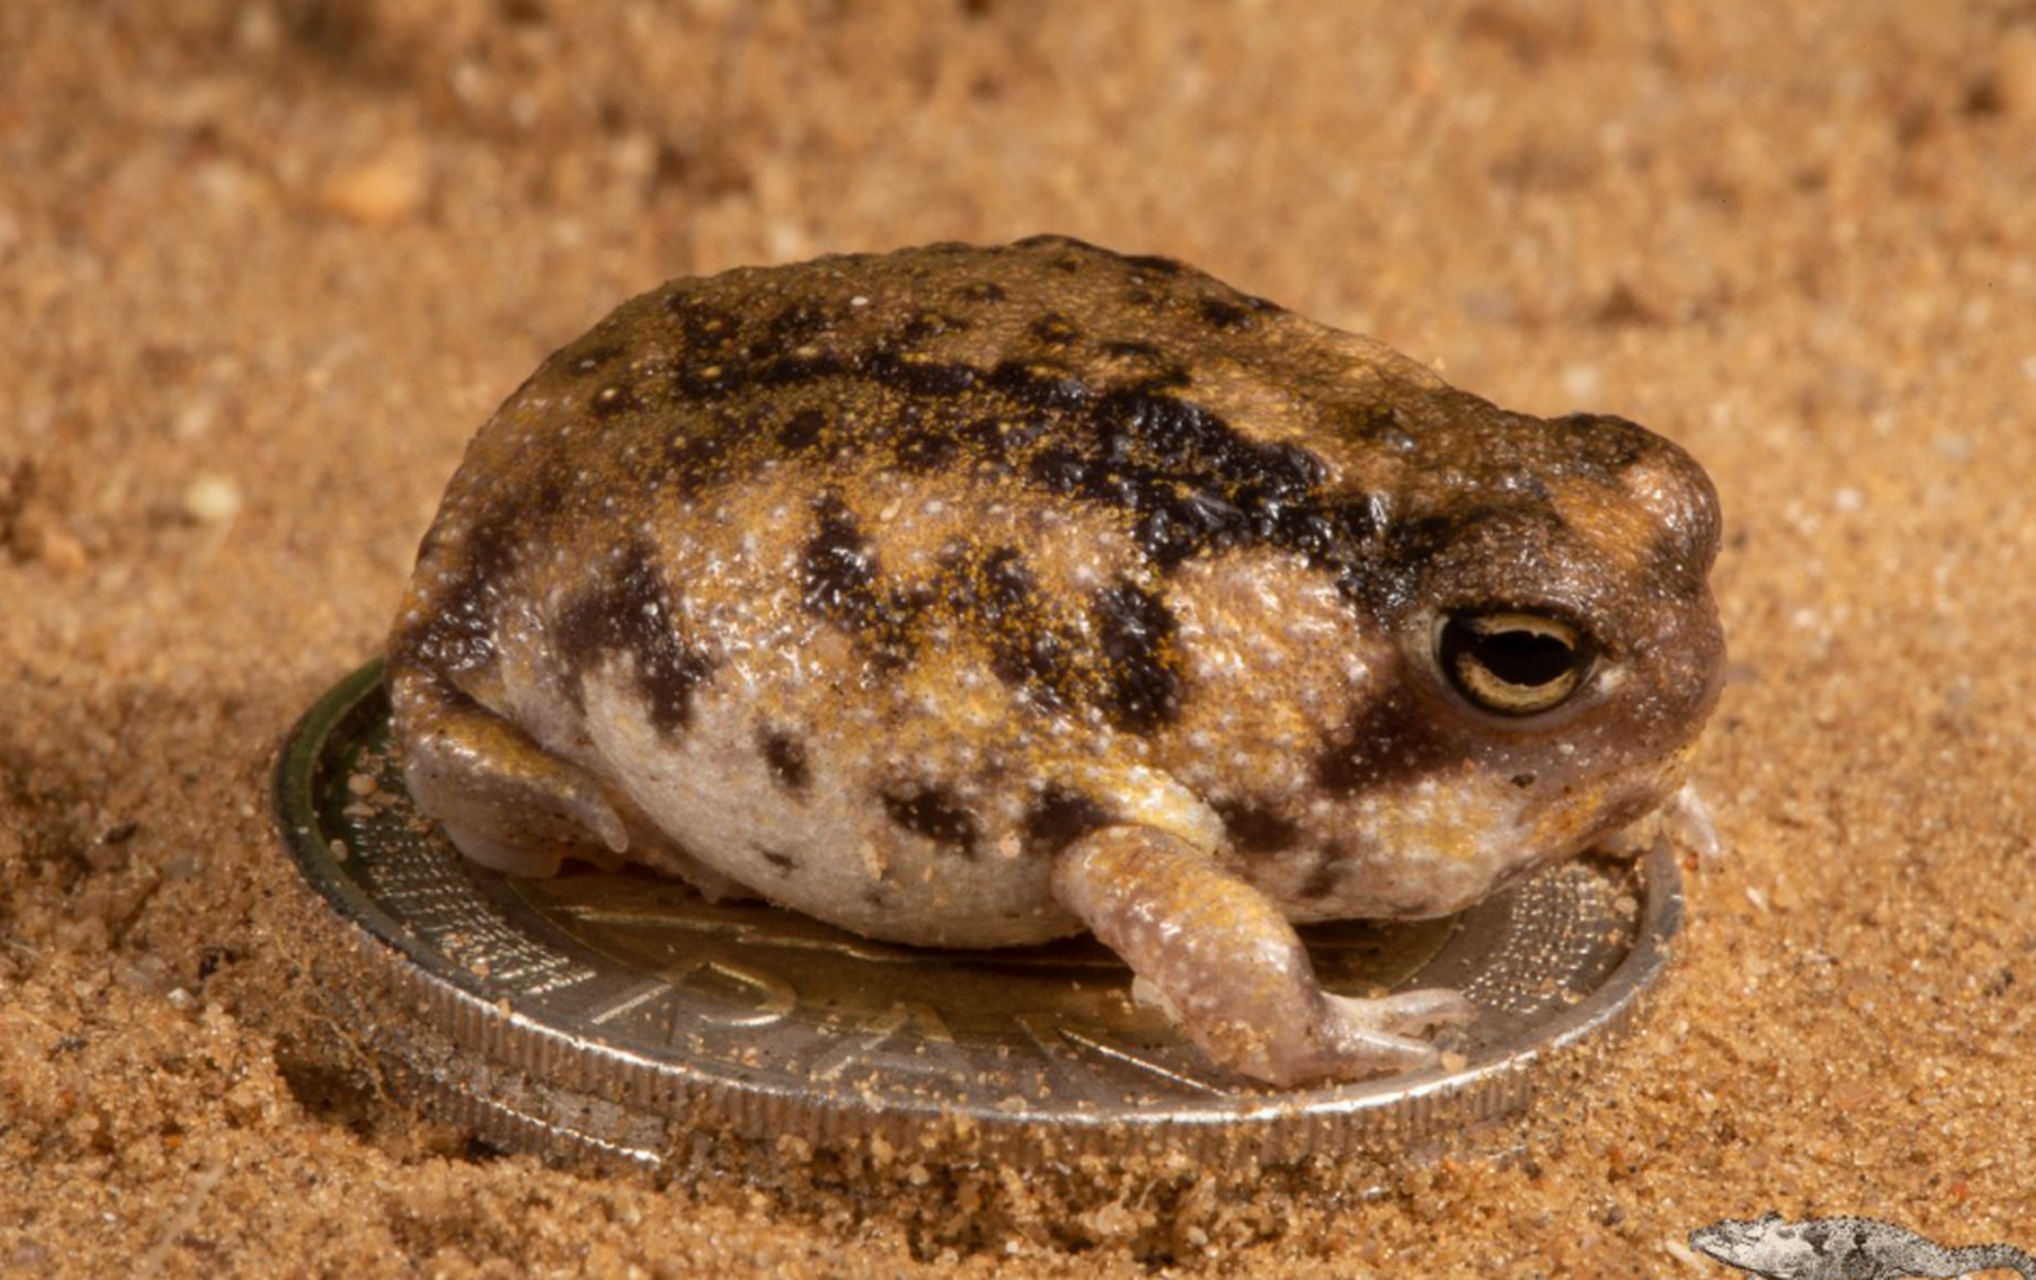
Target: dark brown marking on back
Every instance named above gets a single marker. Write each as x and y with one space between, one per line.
995 591
1390 740
1153 264
1000 441
1603 442
631 612
698 456
1257 827
799 367
1185 482
798 325
786 756
1002 588
549 498
709 379
1054 330
1136 630
1039 385
933 812
709 334
459 636
929 324
928 448
1059 817
839 569
802 429
1222 314
917 374
841 583
1190 483
1122 349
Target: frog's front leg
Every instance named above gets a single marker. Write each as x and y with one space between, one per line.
511 805
506 802
1231 967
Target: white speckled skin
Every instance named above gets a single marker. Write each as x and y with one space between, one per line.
978 596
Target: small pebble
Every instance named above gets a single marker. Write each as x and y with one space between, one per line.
377 192
212 499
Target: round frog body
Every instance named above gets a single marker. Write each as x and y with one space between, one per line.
978 596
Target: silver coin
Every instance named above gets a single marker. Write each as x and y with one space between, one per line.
618 1017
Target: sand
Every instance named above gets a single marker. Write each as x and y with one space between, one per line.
265 267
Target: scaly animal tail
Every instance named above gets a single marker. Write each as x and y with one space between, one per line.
1988 1257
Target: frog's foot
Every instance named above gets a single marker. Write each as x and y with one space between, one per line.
1228 966
505 801
1404 1013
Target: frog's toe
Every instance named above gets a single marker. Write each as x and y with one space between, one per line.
1357 1052
511 858
1407 1013
1373 1037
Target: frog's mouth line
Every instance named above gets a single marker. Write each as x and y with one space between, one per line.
1683 819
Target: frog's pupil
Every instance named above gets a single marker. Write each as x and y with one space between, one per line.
1526 658
1510 663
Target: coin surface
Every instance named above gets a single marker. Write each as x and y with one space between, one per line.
616 1017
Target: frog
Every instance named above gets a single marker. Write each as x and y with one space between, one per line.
979 596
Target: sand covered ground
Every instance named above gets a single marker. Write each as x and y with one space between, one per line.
264 267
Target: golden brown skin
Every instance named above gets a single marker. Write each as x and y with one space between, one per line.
977 596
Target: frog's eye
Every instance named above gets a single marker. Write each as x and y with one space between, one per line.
1514 664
